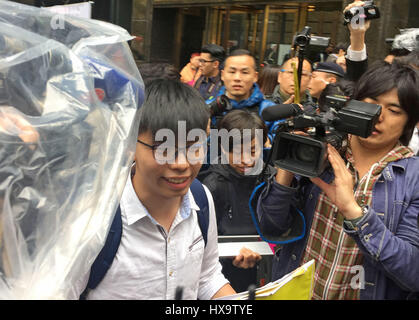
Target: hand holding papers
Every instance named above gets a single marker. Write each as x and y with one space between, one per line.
296 285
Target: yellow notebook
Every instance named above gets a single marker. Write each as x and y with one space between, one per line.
296 285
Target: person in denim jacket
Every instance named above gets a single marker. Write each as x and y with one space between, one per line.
361 214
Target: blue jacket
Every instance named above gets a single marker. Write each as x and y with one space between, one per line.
254 101
255 98
388 235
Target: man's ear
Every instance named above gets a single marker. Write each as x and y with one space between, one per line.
278 79
332 80
256 77
217 64
222 74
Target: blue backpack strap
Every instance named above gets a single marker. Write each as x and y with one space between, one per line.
201 200
106 255
108 252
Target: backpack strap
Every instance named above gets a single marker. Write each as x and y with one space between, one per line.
201 200
106 255
104 260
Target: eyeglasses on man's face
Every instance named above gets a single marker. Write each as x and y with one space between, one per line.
167 154
291 72
205 61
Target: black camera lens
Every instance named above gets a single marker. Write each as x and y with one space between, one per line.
219 105
304 153
301 155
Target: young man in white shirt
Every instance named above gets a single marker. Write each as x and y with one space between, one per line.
162 246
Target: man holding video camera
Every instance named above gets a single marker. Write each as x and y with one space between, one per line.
361 213
285 90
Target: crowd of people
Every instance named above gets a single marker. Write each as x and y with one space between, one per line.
362 211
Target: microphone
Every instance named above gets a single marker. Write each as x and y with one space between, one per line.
252 292
178 293
281 111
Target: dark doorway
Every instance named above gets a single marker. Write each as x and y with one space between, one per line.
193 30
163 35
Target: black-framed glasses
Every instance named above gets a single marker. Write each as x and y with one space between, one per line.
205 61
167 154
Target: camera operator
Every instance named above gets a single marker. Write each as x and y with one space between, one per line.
284 91
285 88
361 214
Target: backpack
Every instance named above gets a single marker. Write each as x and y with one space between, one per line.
104 260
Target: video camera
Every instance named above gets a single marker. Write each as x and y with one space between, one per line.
307 155
368 12
314 46
219 105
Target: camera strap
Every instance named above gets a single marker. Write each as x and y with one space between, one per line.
285 239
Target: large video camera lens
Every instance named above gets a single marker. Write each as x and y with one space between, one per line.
301 155
304 153
302 39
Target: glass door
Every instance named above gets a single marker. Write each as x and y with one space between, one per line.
265 31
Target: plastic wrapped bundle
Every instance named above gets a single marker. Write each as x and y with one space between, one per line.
407 39
69 100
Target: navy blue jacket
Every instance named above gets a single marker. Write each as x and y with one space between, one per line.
388 235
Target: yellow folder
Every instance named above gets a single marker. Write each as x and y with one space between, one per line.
296 285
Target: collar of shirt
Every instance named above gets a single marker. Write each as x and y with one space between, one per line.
135 210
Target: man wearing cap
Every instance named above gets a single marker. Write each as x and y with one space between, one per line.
323 74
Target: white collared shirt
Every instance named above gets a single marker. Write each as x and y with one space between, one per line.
356 55
150 264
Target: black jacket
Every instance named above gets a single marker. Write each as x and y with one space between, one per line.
231 192
355 69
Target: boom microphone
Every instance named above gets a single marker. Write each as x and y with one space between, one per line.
281 111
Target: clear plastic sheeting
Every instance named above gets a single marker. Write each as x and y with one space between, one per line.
69 95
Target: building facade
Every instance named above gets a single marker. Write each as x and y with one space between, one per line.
170 30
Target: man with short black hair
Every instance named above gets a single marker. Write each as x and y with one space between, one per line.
240 77
210 64
163 247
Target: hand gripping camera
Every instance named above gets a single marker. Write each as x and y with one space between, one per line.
306 155
368 12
